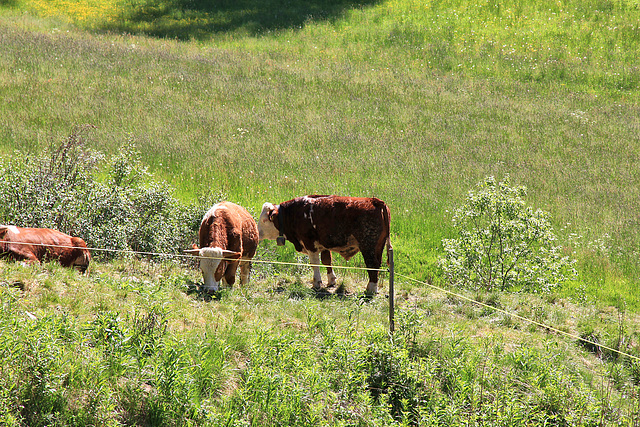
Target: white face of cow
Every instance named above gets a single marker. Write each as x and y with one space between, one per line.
210 261
266 228
211 258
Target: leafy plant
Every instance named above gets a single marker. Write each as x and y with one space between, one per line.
38 191
126 210
502 243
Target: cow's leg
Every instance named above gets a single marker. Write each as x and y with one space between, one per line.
373 261
326 260
230 273
22 253
314 258
245 271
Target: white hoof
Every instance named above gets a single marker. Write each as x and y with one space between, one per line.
372 288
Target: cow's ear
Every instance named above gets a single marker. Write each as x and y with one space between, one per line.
267 211
226 254
272 213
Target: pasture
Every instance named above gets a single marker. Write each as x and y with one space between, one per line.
285 111
412 102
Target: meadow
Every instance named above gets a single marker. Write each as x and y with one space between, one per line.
413 102
134 343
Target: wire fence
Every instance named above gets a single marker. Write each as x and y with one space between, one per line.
522 318
408 278
188 256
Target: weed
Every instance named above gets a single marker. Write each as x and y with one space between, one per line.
129 212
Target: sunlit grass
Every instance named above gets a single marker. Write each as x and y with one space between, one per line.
82 12
575 42
413 102
134 341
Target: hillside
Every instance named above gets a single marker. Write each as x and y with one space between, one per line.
133 343
453 93
413 102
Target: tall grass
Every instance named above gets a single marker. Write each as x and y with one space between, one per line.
413 102
133 344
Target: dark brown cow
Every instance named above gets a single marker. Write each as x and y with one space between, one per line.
228 237
317 225
43 244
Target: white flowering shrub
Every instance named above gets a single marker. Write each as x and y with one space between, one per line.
126 210
503 244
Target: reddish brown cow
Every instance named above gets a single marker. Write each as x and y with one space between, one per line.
228 237
43 244
318 225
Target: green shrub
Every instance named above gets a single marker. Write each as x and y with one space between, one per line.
39 191
126 210
502 243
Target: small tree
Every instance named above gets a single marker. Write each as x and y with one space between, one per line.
503 244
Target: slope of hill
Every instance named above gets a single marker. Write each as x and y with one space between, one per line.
133 343
413 102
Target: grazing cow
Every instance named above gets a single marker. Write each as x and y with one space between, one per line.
43 244
228 237
317 225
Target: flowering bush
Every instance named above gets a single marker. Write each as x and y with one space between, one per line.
127 210
502 243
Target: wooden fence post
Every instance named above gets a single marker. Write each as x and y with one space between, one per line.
392 326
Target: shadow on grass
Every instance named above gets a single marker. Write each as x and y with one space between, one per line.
297 290
197 291
201 19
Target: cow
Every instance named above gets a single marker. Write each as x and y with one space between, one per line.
43 244
228 236
318 225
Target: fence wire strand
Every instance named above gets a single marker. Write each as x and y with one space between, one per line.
190 256
411 279
525 319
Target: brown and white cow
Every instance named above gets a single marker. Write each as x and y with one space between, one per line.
318 225
43 244
228 237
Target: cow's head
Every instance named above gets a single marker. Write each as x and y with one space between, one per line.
81 254
266 223
82 261
212 265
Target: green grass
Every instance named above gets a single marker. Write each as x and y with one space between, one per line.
132 343
316 106
412 102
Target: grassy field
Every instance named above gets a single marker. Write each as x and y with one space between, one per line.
133 343
413 102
